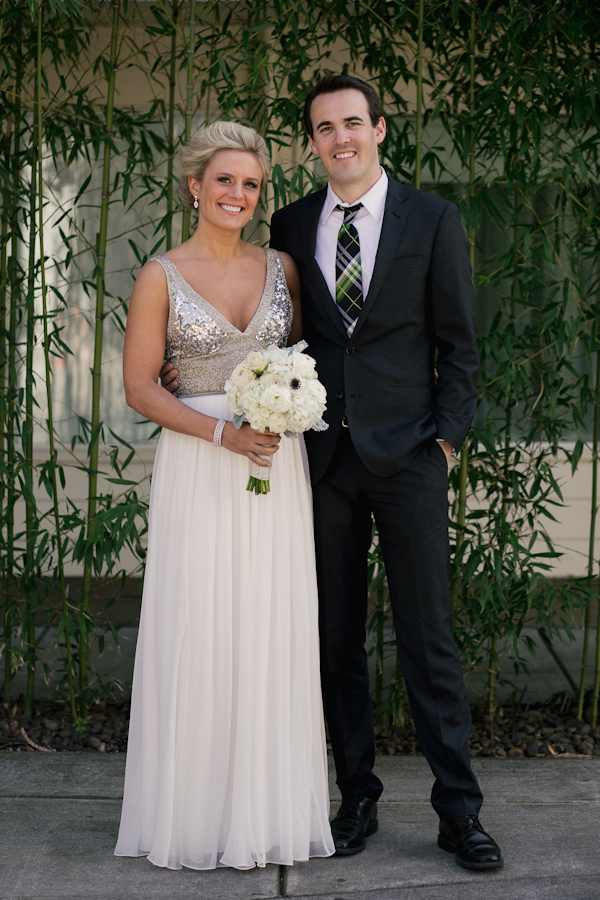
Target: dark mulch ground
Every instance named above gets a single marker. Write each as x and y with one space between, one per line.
535 731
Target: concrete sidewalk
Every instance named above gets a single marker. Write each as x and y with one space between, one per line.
59 816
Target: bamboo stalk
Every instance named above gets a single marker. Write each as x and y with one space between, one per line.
591 564
48 371
189 98
398 716
30 509
596 686
84 647
5 427
379 634
419 123
464 453
6 424
171 125
15 303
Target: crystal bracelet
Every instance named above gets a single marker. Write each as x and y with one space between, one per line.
218 432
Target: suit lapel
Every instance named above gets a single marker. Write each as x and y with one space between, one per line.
394 219
310 222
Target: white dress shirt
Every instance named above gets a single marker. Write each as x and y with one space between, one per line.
368 222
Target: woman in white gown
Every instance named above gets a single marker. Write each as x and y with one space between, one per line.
226 762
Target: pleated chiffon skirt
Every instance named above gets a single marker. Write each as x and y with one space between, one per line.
226 760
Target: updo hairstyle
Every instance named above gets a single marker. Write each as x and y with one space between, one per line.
195 157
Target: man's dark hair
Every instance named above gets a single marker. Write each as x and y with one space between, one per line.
333 83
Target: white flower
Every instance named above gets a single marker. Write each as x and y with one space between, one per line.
270 378
257 361
303 366
241 376
276 398
278 423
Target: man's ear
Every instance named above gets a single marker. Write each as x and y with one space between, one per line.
313 146
380 130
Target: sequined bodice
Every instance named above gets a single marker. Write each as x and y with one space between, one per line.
203 345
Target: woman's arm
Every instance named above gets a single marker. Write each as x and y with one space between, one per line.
293 282
143 357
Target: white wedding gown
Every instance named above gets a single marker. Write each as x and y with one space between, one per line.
226 761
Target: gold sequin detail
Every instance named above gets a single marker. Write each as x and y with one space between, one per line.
204 346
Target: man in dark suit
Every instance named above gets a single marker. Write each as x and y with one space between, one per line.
386 283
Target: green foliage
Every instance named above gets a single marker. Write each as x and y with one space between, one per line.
499 112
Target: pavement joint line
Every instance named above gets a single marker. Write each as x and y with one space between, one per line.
475 878
61 797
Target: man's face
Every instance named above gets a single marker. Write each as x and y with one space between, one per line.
345 140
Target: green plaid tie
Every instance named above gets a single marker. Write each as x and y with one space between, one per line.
348 275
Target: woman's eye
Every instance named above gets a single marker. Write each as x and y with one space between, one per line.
252 185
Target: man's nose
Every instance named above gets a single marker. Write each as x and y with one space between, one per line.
341 136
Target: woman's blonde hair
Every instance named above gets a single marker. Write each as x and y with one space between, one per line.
195 157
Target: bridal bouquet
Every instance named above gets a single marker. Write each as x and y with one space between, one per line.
276 389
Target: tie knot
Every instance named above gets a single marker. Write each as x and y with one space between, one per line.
349 211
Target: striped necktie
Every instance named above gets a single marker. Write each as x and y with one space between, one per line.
348 275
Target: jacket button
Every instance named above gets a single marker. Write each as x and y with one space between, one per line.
339 395
349 349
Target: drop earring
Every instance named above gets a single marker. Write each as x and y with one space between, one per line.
195 203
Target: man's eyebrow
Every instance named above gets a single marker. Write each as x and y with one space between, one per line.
347 119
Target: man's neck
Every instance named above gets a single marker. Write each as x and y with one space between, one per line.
350 193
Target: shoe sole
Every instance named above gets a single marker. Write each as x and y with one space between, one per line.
449 847
351 851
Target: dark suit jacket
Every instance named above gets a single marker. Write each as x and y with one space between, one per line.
420 298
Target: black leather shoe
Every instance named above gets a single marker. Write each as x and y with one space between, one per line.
473 846
355 820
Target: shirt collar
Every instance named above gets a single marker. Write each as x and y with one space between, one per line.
373 201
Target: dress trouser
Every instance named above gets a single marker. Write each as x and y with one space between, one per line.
411 514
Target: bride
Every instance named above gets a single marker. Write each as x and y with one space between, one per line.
226 762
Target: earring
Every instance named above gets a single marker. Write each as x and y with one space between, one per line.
251 217
195 203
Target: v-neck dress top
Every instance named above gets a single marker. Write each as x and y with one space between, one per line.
204 346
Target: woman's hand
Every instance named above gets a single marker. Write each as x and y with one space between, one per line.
248 442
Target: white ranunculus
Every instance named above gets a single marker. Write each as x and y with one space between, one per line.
270 378
241 376
278 423
276 398
303 365
257 361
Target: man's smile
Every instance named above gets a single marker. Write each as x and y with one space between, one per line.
344 154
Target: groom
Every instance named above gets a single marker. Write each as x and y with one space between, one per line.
386 284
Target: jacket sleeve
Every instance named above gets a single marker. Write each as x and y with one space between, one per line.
453 304
276 240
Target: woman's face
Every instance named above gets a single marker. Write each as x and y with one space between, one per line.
229 190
